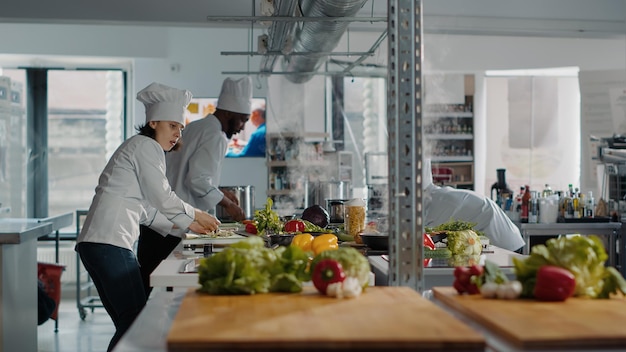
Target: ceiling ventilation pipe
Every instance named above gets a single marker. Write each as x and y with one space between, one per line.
279 32
318 37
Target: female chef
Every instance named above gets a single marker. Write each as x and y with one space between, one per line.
133 190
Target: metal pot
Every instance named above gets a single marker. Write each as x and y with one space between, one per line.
245 196
320 191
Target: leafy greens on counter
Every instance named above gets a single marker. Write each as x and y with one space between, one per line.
248 267
583 256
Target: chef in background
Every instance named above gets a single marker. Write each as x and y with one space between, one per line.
194 170
132 191
441 204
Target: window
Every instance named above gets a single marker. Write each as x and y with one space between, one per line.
533 130
70 140
361 120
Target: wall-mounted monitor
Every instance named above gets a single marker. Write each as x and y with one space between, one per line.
198 108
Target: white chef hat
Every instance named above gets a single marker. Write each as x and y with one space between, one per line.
164 103
236 95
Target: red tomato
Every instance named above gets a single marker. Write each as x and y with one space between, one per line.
251 228
294 226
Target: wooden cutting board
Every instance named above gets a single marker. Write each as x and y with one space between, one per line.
382 318
529 324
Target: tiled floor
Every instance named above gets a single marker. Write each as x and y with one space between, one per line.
75 335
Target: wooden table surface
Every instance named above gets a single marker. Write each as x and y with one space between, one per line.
529 324
382 318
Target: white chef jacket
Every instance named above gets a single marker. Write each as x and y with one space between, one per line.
441 204
194 170
131 188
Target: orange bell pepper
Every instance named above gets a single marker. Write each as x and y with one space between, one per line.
324 242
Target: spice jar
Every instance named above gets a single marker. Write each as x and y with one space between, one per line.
354 218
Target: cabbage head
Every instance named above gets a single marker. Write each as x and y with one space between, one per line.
464 242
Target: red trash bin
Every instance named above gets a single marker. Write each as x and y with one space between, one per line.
50 275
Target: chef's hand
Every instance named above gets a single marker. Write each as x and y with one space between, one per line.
197 228
235 212
231 196
207 222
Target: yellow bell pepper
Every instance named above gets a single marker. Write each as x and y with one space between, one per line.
324 242
303 240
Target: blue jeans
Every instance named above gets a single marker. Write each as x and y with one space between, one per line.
115 272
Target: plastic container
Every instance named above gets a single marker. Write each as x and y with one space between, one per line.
548 209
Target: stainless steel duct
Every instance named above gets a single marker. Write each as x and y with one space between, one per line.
318 37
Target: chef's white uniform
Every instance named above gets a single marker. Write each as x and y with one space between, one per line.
442 204
131 188
194 170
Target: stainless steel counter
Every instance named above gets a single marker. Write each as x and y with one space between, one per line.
441 274
18 282
609 229
16 231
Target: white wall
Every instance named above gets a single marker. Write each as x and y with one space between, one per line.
151 52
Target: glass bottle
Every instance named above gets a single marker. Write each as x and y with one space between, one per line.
525 204
547 191
533 208
589 205
568 203
576 204
518 200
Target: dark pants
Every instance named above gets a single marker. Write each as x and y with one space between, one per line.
115 272
152 248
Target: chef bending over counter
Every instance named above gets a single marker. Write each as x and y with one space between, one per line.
441 204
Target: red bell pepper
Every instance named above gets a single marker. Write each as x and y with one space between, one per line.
294 226
326 272
428 241
430 244
554 284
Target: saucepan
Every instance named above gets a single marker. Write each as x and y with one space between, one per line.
380 241
280 239
376 241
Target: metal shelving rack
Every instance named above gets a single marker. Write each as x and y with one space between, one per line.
90 301
404 124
